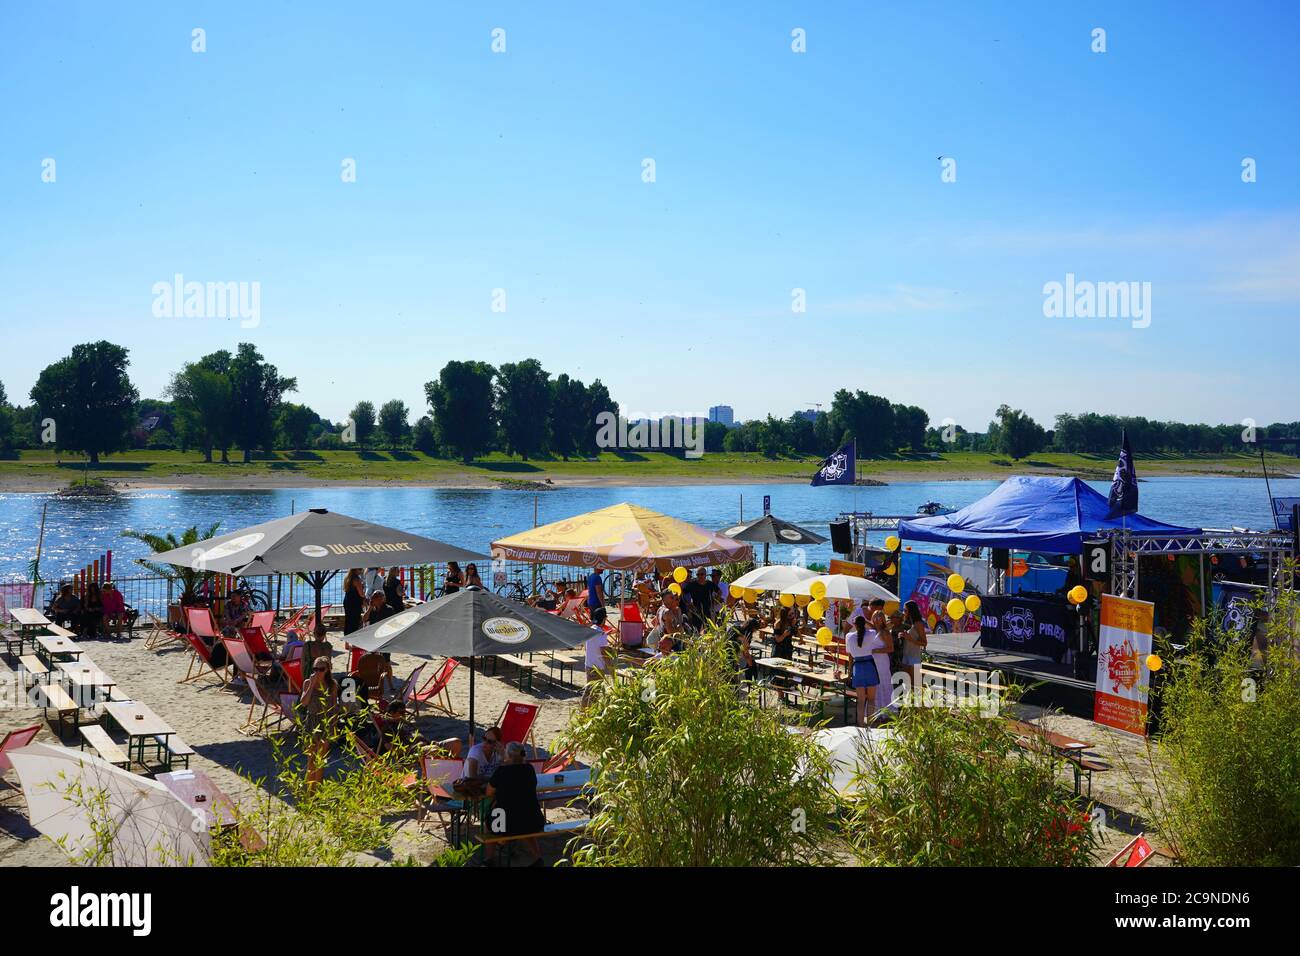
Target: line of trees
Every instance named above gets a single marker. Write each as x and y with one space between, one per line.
86 403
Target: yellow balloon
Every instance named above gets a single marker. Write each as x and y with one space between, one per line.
675 588
973 603
736 591
787 600
891 569
1154 662
680 575
1078 594
750 595
802 600
956 583
816 610
824 636
892 543
891 607
956 610
818 590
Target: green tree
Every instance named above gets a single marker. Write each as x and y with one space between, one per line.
599 401
461 402
363 422
865 417
90 398
202 404
423 436
523 402
294 423
6 423
256 390
568 418
1015 433
392 421
910 424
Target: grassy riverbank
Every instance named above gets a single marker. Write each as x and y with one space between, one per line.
43 470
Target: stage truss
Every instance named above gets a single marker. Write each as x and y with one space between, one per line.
1274 547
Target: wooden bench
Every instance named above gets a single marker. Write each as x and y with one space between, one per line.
526 668
57 699
60 631
33 665
177 750
103 745
14 641
567 828
1083 764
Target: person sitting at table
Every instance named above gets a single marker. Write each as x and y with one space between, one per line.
515 810
65 610
864 678
667 621
741 637
378 608
454 579
784 629
480 763
114 610
665 649
374 675
92 611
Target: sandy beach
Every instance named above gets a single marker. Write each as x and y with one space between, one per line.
208 717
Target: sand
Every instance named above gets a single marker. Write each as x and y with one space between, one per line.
208 717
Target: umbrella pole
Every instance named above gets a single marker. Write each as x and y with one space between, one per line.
471 701
765 547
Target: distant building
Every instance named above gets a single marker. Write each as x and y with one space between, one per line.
810 414
723 415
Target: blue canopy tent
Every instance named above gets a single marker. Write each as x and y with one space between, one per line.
1032 513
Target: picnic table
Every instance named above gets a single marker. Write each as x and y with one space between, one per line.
197 791
28 617
85 678
53 648
142 727
1072 751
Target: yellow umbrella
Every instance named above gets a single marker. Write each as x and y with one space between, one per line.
622 537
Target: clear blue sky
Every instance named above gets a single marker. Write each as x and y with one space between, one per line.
775 170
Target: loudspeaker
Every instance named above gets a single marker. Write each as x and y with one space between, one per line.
1001 558
841 538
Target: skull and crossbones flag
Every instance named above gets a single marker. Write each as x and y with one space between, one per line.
840 468
1123 498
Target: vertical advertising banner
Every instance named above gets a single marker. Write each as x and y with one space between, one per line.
1122 676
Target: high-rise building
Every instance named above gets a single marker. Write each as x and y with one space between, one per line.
723 415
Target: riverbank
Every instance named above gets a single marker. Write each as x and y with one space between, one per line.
40 471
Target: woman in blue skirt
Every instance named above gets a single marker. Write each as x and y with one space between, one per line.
864 675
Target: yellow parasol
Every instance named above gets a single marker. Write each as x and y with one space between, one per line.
623 537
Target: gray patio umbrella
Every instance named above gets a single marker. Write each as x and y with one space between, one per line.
315 545
470 623
771 530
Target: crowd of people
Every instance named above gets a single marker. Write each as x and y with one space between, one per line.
101 612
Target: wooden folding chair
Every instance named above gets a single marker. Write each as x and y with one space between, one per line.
434 693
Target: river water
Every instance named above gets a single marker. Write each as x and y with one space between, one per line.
78 531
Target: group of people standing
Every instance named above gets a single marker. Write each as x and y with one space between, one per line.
370 595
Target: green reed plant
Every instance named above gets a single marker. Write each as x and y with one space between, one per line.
951 787
691 773
1225 769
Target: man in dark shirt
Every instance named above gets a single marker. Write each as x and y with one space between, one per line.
701 592
596 597
515 810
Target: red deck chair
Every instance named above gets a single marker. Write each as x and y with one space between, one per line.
355 660
240 659
439 775
15 740
631 627
290 623
273 712
201 658
517 721
434 692
255 638
265 620
292 671
412 684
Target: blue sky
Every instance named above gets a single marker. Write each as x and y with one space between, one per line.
774 171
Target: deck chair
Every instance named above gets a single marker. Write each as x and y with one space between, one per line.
201 663
264 620
273 712
15 740
371 758
1137 852
631 627
255 638
517 721
292 671
160 633
240 659
290 623
439 774
435 691
407 696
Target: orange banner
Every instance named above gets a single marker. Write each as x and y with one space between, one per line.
1124 644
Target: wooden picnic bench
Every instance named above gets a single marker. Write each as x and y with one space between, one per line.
1067 748
197 791
33 665
526 668
66 709
103 745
